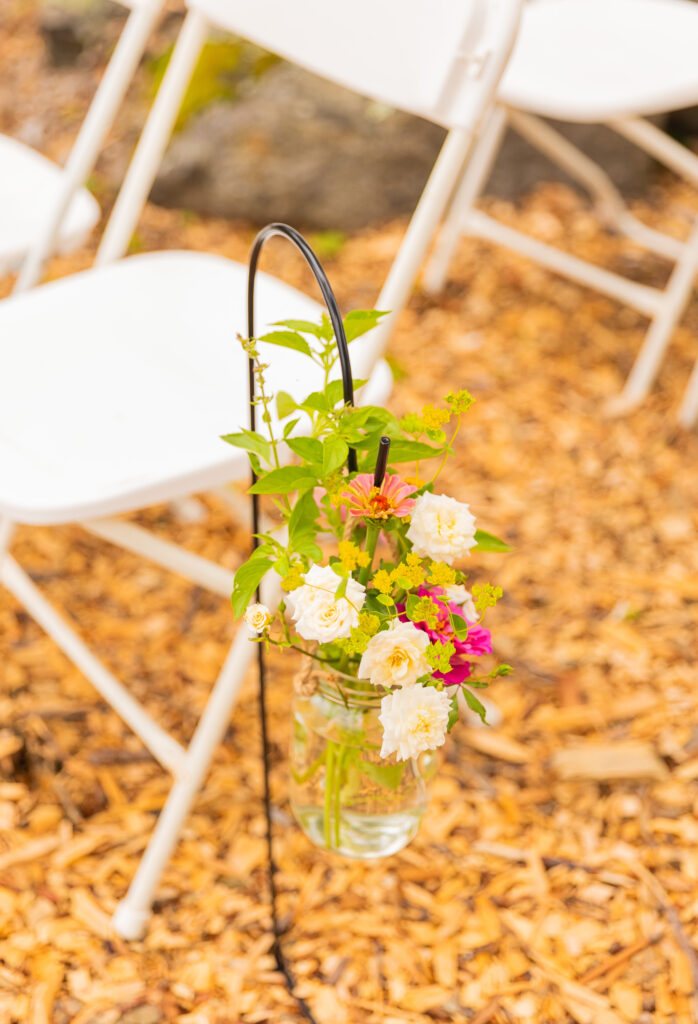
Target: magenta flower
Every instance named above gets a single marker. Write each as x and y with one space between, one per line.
477 642
370 502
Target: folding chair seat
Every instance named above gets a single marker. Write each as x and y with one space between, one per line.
134 369
154 381
44 207
30 186
614 62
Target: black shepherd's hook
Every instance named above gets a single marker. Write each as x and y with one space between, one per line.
330 301
335 318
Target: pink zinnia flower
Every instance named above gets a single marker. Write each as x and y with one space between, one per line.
477 642
390 499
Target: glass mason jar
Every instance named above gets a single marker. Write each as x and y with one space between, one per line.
344 795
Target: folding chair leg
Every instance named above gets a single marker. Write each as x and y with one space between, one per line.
673 303
132 914
688 413
6 531
658 144
153 142
166 749
475 176
430 210
100 117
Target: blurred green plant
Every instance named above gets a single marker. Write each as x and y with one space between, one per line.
222 65
328 244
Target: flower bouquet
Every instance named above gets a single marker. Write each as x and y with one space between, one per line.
375 598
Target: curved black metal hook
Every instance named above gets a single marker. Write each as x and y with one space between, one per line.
335 318
286 231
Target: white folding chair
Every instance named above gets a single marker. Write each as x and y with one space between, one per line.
140 373
43 207
614 62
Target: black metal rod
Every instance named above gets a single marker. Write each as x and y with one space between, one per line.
328 295
381 461
348 387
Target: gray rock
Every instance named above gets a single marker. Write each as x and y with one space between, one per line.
520 167
296 148
72 27
299 149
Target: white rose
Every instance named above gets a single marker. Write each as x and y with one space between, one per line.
317 613
459 594
258 617
414 719
441 528
395 657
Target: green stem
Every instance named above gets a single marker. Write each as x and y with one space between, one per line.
287 645
373 531
329 782
301 777
446 453
337 794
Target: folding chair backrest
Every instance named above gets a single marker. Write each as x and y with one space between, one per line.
99 119
429 57
440 59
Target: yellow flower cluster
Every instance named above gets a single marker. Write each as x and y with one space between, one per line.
382 581
485 596
369 623
427 611
411 569
408 572
433 418
294 578
460 401
351 556
441 575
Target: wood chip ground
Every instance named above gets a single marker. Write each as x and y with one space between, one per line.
555 878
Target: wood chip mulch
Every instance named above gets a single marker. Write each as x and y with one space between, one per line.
555 877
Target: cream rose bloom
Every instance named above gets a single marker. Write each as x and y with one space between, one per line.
414 719
317 613
258 617
441 528
395 657
459 594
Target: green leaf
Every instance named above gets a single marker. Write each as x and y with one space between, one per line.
251 441
288 339
460 626
411 451
388 776
308 448
284 481
474 704
488 542
453 712
247 579
304 326
326 330
334 454
305 545
335 390
290 426
302 521
385 599
411 602
360 321
316 402
285 405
